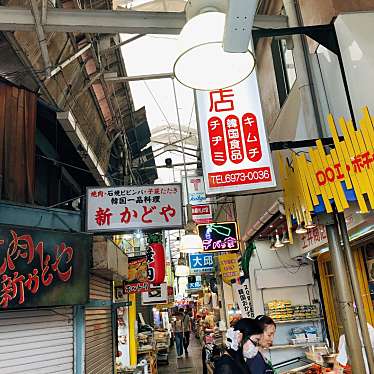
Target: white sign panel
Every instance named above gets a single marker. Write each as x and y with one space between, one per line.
201 209
196 191
156 295
134 207
235 150
243 297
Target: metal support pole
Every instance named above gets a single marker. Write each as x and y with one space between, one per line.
221 297
345 299
356 292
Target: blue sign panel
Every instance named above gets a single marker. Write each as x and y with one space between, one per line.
201 263
194 286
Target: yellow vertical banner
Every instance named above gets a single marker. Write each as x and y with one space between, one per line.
132 337
229 266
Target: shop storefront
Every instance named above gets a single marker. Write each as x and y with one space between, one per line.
105 308
44 273
313 244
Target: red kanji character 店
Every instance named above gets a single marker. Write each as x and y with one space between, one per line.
167 211
102 216
221 104
146 212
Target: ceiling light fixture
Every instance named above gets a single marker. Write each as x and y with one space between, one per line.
203 63
301 230
310 225
285 238
272 243
191 241
278 243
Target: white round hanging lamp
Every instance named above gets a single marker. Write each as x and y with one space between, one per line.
182 271
191 243
202 63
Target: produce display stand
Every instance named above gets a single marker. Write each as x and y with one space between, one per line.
162 340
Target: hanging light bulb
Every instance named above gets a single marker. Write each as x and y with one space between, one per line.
310 225
285 238
272 243
191 241
300 229
278 243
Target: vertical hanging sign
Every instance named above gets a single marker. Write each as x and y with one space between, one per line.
156 263
235 150
201 208
243 297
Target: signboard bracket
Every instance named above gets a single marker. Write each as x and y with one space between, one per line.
322 34
291 144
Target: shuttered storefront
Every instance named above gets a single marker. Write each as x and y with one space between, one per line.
99 334
36 341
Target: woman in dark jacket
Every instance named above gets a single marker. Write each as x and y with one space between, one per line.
242 341
259 364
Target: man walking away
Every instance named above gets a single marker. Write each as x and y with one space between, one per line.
187 327
178 334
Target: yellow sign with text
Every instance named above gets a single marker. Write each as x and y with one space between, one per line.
229 267
317 176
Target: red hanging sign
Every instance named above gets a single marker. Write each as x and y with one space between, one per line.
156 263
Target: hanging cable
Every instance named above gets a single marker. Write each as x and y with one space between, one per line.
190 121
158 105
57 162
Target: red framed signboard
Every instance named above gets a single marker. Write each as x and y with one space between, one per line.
235 151
129 208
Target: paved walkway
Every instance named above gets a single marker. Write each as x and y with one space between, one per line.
191 364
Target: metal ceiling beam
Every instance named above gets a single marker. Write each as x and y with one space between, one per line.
112 77
69 60
93 21
110 21
38 27
119 45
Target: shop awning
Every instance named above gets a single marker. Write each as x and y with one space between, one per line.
274 210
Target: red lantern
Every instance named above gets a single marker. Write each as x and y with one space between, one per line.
156 263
